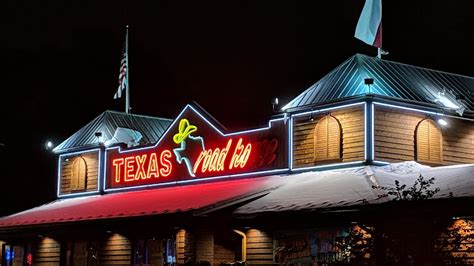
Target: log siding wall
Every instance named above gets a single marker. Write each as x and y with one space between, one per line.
91 159
185 246
1 251
47 252
353 138
155 250
395 132
204 246
115 250
222 255
456 243
259 248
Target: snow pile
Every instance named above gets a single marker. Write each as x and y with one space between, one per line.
316 190
407 167
453 181
359 186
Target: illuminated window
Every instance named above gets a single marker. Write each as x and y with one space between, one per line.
429 143
79 174
327 140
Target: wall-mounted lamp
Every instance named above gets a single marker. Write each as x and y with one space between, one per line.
98 135
368 82
311 117
442 122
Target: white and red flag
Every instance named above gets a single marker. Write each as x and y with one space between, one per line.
369 27
122 75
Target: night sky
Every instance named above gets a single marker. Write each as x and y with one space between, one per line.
60 64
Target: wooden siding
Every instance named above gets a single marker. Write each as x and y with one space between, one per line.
47 252
92 172
180 246
395 132
456 243
259 248
458 142
353 139
189 248
204 245
155 249
115 250
18 260
79 252
222 255
1 251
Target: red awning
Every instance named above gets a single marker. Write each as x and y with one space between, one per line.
141 203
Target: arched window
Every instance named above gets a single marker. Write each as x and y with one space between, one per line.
429 142
79 174
327 140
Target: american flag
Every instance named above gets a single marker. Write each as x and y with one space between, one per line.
123 75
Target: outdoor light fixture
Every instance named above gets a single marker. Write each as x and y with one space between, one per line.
98 135
274 103
442 122
49 145
368 82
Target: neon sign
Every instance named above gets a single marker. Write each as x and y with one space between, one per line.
214 160
193 148
141 167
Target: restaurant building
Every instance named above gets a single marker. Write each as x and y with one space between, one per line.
371 165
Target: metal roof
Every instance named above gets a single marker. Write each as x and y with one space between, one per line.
391 79
151 128
178 199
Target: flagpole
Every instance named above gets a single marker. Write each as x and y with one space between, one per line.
127 88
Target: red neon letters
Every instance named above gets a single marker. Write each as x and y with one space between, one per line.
143 166
215 160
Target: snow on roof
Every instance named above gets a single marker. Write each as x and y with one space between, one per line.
453 181
358 186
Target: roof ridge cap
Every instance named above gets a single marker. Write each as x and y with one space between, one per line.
140 115
424 68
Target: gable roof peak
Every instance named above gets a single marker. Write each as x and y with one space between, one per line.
399 81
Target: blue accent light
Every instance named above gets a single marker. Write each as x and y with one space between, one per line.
9 254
